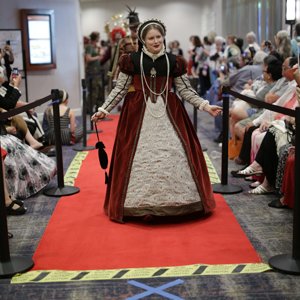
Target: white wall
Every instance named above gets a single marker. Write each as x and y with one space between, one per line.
68 35
182 18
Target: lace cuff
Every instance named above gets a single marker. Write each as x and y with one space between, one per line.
203 104
100 109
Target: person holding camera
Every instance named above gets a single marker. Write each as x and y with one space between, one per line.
9 99
27 170
252 46
7 58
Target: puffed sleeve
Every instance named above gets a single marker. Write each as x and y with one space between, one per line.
126 65
122 85
180 67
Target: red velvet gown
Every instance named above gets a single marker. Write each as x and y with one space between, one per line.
129 133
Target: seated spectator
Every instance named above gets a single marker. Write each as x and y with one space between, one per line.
272 72
70 132
27 171
283 95
266 159
13 207
288 184
18 127
237 81
9 99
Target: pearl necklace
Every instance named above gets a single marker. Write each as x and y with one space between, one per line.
165 89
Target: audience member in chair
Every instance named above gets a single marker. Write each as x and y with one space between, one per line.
27 171
71 133
9 99
266 159
13 207
281 94
272 72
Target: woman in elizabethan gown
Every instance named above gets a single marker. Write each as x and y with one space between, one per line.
157 166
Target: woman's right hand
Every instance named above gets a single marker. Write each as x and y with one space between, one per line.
16 80
11 129
98 116
264 126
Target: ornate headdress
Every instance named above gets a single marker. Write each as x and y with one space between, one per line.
133 17
147 23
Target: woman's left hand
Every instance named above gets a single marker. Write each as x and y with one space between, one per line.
213 110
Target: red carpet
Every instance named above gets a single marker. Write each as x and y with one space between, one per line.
80 237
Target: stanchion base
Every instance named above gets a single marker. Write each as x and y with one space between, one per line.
226 188
64 191
83 148
285 263
92 131
15 265
106 119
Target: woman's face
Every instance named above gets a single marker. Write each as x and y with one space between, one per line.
266 75
154 41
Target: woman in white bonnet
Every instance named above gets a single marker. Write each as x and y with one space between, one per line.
157 167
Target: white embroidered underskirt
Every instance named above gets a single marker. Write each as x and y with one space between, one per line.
161 181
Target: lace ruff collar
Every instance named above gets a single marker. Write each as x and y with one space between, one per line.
152 55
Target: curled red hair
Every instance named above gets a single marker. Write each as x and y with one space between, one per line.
117 30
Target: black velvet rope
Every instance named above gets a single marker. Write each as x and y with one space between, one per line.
286 263
7 264
55 95
259 103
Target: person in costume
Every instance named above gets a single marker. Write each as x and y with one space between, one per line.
129 43
115 35
157 166
125 45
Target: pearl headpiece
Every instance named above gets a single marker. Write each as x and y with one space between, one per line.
147 23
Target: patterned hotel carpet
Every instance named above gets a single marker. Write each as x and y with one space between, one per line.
269 230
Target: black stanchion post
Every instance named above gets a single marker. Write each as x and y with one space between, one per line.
290 263
90 104
9 266
83 147
61 190
224 187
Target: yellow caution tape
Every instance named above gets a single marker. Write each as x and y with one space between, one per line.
74 168
134 273
213 175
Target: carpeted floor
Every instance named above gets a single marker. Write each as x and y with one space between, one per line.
269 230
217 239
